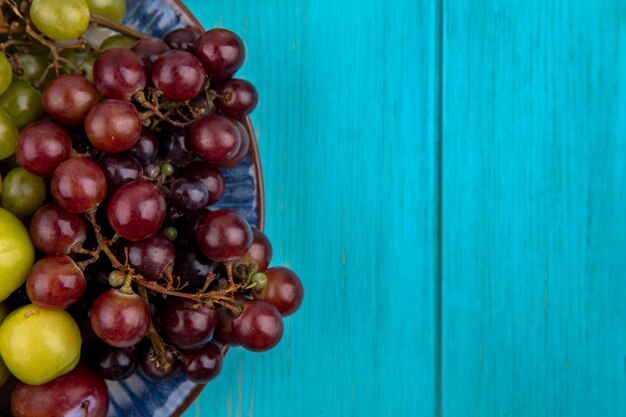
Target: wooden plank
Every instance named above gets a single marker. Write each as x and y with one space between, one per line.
534 219
348 134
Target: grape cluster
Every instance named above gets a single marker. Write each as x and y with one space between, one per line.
112 158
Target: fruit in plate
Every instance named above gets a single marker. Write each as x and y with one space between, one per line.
80 393
16 253
39 345
60 20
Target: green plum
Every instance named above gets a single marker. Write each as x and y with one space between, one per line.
38 345
16 253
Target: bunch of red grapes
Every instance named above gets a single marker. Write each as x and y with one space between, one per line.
130 242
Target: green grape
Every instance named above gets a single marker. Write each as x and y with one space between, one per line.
23 193
117 41
8 135
113 9
22 102
6 73
33 68
83 59
60 20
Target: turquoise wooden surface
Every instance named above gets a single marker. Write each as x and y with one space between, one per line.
448 178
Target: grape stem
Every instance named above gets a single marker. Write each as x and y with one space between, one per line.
223 296
153 335
98 19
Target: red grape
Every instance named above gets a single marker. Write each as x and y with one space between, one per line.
54 230
259 254
186 324
68 98
210 176
224 329
119 319
283 290
137 210
224 235
259 327
113 126
150 257
179 75
243 149
76 394
147 147
221 52
150 365
189 195
177 148
55 282
149 50
78 185
204 364
183 38
237 97
215 139
193 268
113 363
120 169
119 73
42 146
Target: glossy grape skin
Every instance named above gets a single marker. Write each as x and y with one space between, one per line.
76 394
119 169
179 75
177 148
55 282
22 192
221 52
147 147
149 364
183 38
259 327
210 176
61 21
113 137
22 102
284 290
193 268
8 135
137 210
113 9
186 324
117 41
78 185
68 99
189 195
215 139
259 254
150 257
236 97
120 320
204 364
119 73
54 230
113 363
224 235
149 50
42 146
244 149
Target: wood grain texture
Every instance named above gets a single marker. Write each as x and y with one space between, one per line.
534 194
348 134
